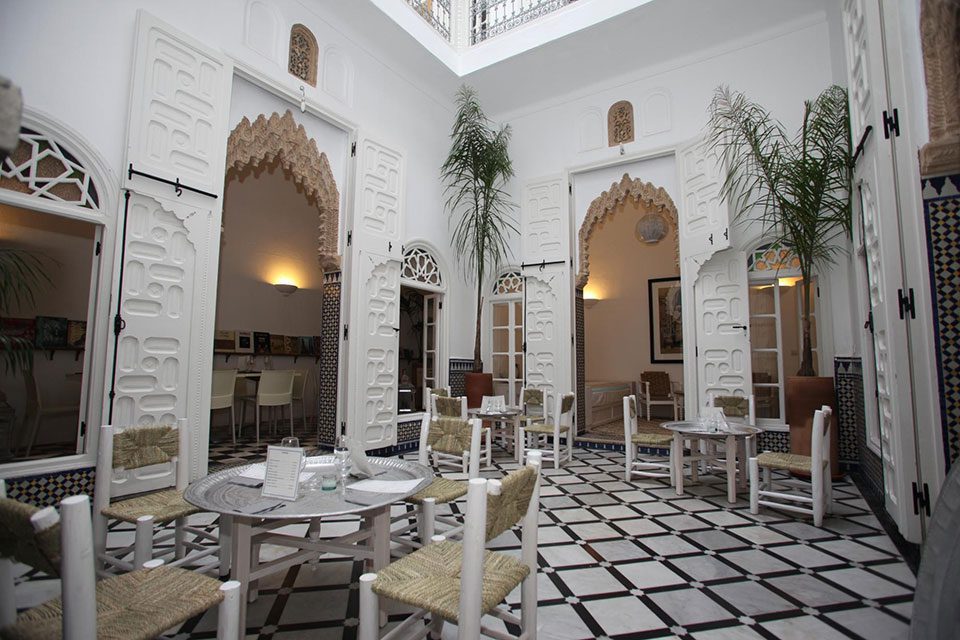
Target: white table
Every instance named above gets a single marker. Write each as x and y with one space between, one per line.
509 414
245 532
695 433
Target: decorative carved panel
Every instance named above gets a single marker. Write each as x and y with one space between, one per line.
546 332
940 39
302 60
509 282
620 123
378 369
281 139
378 205
544 224
420 265
654 199
41 167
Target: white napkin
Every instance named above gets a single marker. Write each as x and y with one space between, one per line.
360 466
385 486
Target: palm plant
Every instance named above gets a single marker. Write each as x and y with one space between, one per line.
22 272
475 173
797 188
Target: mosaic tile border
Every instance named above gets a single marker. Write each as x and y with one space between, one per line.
49 489
941 214
848 388
581 364
458 367
329 371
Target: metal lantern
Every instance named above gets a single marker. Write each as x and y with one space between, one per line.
652 228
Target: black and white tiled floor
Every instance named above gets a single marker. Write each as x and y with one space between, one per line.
633 560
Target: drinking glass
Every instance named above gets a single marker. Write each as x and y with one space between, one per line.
290 441
342 454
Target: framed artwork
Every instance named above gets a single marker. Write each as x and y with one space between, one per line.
76 334
244 342
224 341
51 333
261 343
666 320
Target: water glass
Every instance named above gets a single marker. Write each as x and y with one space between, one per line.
342 454
290 441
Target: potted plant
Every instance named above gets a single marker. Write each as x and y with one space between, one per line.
475 173
798 189
22 272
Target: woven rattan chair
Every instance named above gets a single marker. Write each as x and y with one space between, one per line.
429 392
223 394
463 582
654 388
533 435
145 463
140 605
817 494
532 405
443 434
653 437
447 407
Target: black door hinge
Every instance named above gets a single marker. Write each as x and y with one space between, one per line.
891 124
869 323
353 149
906 304
524 347
921 499
118 324
710 238
440 305
349 238
570 188
346 331
97 249
83 429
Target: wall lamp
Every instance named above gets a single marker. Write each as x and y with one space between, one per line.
285 287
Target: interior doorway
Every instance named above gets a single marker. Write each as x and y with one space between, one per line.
421 337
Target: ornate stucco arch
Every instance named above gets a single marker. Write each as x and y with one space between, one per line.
654 198
281 139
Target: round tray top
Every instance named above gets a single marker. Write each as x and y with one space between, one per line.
694 428
509 412
215 493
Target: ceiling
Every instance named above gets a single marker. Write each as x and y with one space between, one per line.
651 35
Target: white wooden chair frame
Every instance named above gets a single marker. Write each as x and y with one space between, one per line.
470 625
556 452
111 484
486 442
643 397
820 498
649 465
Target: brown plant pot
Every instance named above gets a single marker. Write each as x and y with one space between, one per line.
806 394
477 385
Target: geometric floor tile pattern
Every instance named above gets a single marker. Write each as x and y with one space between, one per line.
633 560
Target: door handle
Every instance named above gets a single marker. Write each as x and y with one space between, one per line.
739 326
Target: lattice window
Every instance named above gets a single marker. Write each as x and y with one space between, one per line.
509 282
773 259
419 265
303 54
620 123
42 168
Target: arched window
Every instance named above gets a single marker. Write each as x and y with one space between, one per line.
509 282
303 54
505 318
42 168
420 265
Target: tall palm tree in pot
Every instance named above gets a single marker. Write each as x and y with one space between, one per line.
475 175
798 189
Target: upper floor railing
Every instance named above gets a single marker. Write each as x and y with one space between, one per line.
436 12
484 18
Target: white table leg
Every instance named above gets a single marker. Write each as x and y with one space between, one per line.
380 519
731 468
678 462
517 448
240 565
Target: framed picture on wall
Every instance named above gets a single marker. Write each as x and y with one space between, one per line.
666 320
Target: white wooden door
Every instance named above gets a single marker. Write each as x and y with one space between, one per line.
704 229
548 286
874 183
372 326
432 310
176 131
723 337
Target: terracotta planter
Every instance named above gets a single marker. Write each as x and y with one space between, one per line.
806 394
477 385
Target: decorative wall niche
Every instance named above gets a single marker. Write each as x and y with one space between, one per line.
302 61
589 130
281 139
337 78
620 123
655 113
261 29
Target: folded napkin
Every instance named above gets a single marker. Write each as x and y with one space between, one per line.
264 505
246 482
361 498
360 466
385 486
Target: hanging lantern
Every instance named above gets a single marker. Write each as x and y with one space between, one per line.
652 228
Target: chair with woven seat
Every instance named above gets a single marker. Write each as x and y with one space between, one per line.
463 582
533 435
532 405
146 464
440 435
429 392
654 389
447 407
646 435
223 394
819 496
140 605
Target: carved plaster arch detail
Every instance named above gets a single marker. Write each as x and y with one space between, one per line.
281 138
654 198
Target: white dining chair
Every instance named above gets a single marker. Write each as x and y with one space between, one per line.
300 379
534 435
275 389
646 435
222 396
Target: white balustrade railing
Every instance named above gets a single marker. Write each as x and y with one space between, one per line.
489 18
436 12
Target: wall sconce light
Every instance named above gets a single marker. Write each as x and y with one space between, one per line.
285 288
590 303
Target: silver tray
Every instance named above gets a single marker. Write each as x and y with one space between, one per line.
217 494
695 429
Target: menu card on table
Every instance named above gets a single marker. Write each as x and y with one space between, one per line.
282 476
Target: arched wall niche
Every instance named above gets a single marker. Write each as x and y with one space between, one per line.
280 139
302 57
656 199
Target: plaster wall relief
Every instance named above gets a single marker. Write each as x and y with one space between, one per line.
656 113
620 123
337 76
302 60
655 199
261 29
940 40
589 130
42 168
281 139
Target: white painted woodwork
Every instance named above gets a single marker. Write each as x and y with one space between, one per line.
875 183
374 267
176 130
704 218
548 291
722 306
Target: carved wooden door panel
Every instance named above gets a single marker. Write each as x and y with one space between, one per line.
177 130
874 183
548 286
373 284
704 217
723 340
